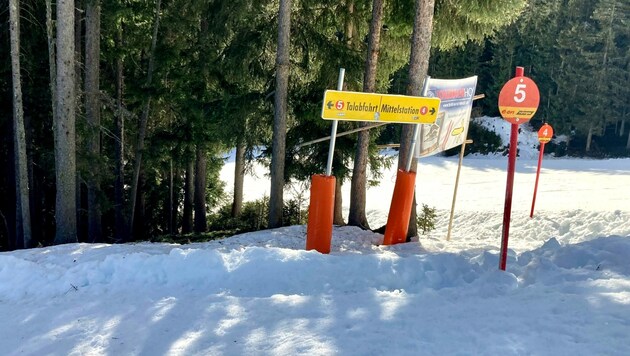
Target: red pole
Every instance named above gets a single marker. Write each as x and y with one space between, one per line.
507 210
540 157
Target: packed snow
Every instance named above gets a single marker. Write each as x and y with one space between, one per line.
566 289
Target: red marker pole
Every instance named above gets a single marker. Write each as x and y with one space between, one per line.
544 135
507 209
540 157
518 102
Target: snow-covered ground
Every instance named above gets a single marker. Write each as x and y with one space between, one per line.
566 289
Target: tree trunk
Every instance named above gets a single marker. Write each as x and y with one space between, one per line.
142 126
35 186
81 211
6 229
51 58
93 113
52 72
200 192
617 125
171 200
628 142
418 68
140 228
11 214
239 178
358 185
338 217
189 189
64 127
350 41
52 68
349 24
589 138
22 215
120 232
276 192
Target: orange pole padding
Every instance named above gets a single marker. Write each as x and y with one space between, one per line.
400 210
320 213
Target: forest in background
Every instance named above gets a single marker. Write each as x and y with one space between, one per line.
181 83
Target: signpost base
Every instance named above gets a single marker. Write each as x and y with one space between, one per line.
400 209
320 213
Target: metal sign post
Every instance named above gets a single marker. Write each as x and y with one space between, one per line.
322 200
357 106
333 130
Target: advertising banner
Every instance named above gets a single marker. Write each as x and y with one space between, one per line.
451 127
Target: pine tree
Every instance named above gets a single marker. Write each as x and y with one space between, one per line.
93 114
142 125
592 51
23 214
280 116
612 16
64 126
357 215
418 68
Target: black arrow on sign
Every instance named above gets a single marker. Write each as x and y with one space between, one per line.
432 111
329 104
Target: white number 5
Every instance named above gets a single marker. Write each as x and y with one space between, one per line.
519 93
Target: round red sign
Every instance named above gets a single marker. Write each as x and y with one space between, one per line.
518 100
545 133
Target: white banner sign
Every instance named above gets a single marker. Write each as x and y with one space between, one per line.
451 127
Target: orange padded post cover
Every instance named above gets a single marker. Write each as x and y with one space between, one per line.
400 210
320 213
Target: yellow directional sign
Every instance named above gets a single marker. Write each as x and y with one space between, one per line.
357 106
